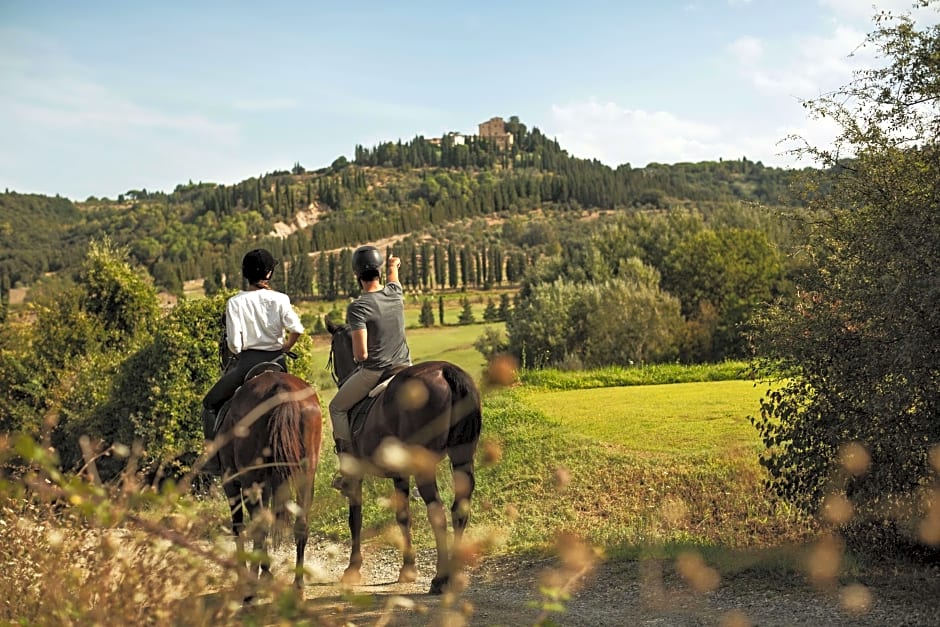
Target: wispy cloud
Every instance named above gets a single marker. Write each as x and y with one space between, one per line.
616 135
265 105
44 88
802 67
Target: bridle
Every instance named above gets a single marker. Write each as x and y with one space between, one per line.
330 366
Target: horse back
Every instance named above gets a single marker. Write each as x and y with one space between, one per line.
274 416
435 404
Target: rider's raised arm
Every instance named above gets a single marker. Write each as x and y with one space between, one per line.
393 264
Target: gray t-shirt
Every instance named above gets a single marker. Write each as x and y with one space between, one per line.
382 315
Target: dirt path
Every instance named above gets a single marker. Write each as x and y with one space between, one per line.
504 590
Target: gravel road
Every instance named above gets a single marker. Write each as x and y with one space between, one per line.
504 590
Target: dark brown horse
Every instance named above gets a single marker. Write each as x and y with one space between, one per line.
269 446
428 411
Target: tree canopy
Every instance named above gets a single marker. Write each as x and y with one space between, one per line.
856 418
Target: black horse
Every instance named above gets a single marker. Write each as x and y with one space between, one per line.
428 410
269 446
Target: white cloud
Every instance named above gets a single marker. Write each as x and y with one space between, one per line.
616 135
803 67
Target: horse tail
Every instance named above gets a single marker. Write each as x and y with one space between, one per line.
466 408
287 449
287 446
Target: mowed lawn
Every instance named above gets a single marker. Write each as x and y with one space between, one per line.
678 419
452 343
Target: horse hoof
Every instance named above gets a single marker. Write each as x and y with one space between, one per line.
407 574
438 584
351 577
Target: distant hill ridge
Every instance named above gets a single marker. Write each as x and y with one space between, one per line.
390 190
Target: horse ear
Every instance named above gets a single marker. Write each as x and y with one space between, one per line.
331 326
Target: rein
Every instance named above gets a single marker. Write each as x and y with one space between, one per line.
330 367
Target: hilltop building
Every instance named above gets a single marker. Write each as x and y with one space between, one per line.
452 138
494 130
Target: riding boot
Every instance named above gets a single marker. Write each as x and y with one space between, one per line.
212 466
342 481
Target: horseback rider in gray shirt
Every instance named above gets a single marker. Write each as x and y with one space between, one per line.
376 321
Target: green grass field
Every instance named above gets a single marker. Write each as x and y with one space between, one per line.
605 454
675 420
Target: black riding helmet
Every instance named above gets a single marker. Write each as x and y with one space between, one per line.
257 264
366 261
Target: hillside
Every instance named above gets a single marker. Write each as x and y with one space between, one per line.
432 189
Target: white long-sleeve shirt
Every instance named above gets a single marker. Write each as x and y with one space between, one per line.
258 319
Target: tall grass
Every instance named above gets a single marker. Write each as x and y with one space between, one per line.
550 480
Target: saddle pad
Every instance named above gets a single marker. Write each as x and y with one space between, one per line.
380 387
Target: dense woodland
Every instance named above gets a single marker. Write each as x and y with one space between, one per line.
200 229
467 216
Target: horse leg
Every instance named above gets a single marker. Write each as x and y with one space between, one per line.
409 571
263 514
261 561
236 508
352 574
301 527
237 504
464 483
438 520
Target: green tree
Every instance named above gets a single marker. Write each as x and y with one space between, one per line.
426 318
4 296
154 397
730 271
630 321
63 362
504 306
539 328
440 309
491 343
856 415
466 313
490 314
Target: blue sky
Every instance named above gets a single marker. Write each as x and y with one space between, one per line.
97 98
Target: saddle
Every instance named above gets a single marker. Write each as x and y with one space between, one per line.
264 366
357 414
